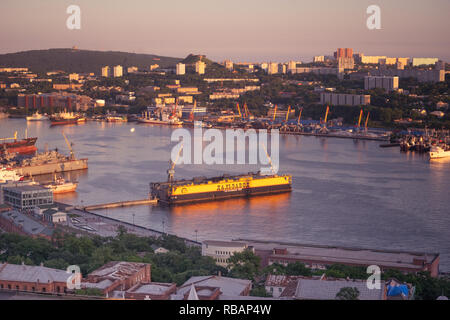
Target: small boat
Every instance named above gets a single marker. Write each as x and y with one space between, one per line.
62 186
116 119
37 117
438 153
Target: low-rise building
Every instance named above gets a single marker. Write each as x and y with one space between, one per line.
221 251
343 99
27 197
15 222
151 291
117 275
208 287
54 216
33 279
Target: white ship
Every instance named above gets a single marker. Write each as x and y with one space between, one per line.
438 153
37 117
7 174
62 186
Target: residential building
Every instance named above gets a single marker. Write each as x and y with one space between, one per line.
319 257
37 279
74 77
387 83
188 90
424 61
272 68
61 100
185 99
315 70
420 75
229 65
221 251
343 99
154 67
132 69
346 63
67 86
118 71
106 72
27 197
181 69
319 59
200 67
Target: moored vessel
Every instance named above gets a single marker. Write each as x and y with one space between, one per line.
8 174
37 117
60 185
438 153
24 146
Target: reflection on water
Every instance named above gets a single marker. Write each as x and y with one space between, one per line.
345 192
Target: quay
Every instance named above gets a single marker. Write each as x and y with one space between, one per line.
121 204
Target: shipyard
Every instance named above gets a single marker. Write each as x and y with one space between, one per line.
236 154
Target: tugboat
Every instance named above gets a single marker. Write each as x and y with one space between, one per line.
59 185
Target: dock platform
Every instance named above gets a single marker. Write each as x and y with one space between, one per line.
121 204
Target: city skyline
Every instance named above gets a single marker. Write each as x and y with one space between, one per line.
250 31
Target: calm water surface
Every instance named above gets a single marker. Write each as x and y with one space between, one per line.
348 193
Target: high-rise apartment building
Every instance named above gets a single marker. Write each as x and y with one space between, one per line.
181 69
118 71
106 72
200 67
385 82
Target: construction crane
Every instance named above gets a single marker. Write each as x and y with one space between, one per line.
172 164
360 118
275 113
367 121
287 114
72 154
269 158
299 116
13 138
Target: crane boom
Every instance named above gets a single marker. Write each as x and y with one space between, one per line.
69 145
287 114
360 117
239 110
171 170
300 116
268 157
13 138
326 114
274 113
367 120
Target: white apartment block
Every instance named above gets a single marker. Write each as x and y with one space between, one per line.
385 82
343 99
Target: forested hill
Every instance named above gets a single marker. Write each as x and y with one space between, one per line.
81 61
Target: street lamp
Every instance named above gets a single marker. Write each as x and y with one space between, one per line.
196 235
163 226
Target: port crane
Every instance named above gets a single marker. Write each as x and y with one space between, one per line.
239 110
287 114
275 113
191 116
72 154
367 121
172 164
360 118
324 129
247 113
13 138
299 116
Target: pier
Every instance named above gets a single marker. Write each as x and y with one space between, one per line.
121 204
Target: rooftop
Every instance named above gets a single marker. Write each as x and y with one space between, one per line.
231 244
327 289
359 256
153 288
28 188
116 270
228 286
28 224
24 273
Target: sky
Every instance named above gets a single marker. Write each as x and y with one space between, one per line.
241 30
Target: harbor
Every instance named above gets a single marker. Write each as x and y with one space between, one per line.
336 182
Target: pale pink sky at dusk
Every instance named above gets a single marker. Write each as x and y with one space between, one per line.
242 30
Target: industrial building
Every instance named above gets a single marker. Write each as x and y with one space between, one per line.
319 257
221 251
62 100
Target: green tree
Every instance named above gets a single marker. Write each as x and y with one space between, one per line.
244 265
348 293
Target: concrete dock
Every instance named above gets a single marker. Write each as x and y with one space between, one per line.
121 204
